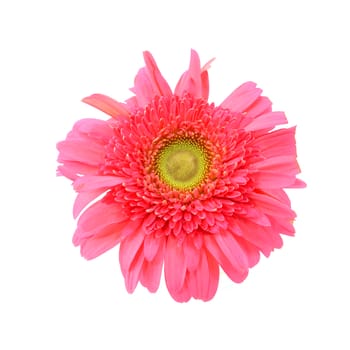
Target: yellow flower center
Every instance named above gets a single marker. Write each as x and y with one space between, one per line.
182 164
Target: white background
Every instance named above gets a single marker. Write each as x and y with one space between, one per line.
53 53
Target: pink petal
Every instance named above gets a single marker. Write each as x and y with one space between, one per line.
159 84
194 81
203 281
72 170
92 129
252 252
265 239
184 294
93 183
213 277
174 265
107 238
242 98
260 106
132 274
151 246
277 143
83 151
230 258
97 216
107 105
271 206
267 121
192 254
83 199
130 245
148 83
152 270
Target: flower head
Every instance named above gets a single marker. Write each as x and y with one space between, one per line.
180 182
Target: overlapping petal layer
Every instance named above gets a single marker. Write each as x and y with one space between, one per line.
238 209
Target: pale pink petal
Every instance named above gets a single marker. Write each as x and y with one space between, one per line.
107 105
242 98
174 265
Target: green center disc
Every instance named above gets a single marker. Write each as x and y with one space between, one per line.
182 164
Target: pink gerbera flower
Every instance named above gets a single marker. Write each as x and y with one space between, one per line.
181 182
